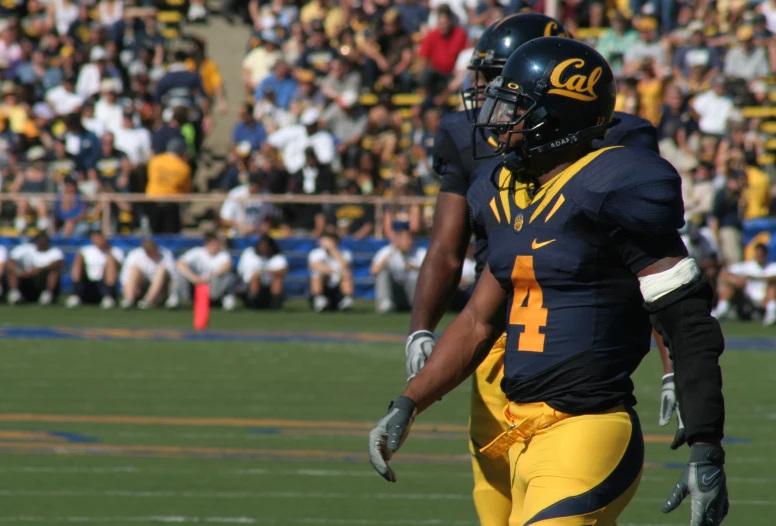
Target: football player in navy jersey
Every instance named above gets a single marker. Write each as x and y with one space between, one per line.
441 269
440 273
583 254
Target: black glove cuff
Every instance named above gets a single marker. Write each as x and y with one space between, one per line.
707 453
668 378
403 403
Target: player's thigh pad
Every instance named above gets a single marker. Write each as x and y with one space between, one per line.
491 476
581 471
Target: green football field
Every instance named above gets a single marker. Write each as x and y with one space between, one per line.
130 418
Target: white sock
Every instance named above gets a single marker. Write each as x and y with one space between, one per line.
19 224
770 308
43 223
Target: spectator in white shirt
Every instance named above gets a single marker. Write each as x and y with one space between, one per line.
135 142
395 268
210 265
95 273
147 273
89 120
63 99
262 270
92 73
746 61
331 279
107 110
10 50
461 8
714 108
749 286
292 141
34 270
243 212
647 47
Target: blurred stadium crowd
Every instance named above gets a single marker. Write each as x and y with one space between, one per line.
344 98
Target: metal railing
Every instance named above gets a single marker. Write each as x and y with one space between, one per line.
216 200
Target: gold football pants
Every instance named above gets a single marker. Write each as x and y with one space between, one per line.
492 488
572 470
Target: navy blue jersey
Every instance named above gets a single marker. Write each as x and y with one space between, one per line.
630 131
452 161
452 158
576 328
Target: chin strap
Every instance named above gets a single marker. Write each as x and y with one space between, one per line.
594 132
516 160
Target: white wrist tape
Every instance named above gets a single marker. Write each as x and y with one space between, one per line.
658 285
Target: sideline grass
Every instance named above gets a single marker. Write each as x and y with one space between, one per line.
288 383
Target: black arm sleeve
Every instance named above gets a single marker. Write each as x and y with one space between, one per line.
448 164
695 341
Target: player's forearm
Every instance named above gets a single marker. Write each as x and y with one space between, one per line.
679 301
184 270
376 268
438 280
320 267
380 264
668 365
460 350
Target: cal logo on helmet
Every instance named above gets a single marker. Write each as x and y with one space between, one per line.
577 86
552 29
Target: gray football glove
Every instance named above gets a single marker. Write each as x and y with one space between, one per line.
667 400
669 406
680 437
389 434
419 347
704 481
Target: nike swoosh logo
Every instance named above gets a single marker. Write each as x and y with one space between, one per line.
535 245
709 479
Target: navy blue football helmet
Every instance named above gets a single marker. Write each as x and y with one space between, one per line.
496 45
553 93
